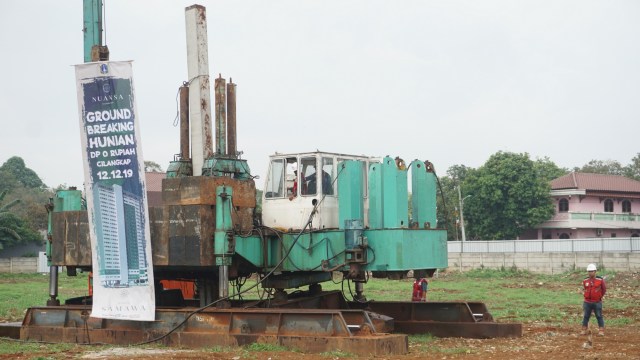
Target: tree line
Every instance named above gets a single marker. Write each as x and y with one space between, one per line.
508 194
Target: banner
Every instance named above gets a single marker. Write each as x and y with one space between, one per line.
116 192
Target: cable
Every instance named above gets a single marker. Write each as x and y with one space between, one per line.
177 118
444 200
238 284
184 83
336 282
374 255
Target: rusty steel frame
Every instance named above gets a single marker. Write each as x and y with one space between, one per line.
220 115
10 330
310 330
443 319
184 123
311 323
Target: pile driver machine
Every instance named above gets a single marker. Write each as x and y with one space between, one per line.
323 215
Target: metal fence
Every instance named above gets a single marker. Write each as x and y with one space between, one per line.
631 244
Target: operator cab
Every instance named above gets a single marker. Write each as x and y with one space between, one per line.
297 182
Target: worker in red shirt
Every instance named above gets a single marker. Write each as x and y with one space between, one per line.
594 288
420 287
294 191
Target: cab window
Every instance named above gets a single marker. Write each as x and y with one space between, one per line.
327 176
275 180
291 177
308 176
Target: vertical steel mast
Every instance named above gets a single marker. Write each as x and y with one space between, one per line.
94 50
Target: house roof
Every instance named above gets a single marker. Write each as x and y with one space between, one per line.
595 182
154 180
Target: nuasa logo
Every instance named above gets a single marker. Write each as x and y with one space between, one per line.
104 68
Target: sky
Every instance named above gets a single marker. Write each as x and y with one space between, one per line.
452 82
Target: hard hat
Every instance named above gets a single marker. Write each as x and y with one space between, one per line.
591 267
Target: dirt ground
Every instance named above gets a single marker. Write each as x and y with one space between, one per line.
540 341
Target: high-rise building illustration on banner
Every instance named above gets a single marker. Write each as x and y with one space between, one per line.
122 260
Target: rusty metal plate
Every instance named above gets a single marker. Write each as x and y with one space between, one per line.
159 236
71 245
189 235
242 219
201 190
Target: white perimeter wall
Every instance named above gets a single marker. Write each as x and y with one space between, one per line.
546 263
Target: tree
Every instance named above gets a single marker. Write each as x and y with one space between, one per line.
15 171
152 166
447 199
459 172
548 170
22 191
31 206
6 230
606 167
446 205
8 181
612 167
509 196
13 229
632 170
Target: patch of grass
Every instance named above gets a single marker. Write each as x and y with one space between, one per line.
421 342
424 343
616 321
510 294
220 349
421 338
8 347
266 347
504 272
21 291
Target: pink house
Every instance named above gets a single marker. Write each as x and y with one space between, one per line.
592 206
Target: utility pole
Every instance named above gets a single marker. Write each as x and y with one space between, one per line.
461 200
457 221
